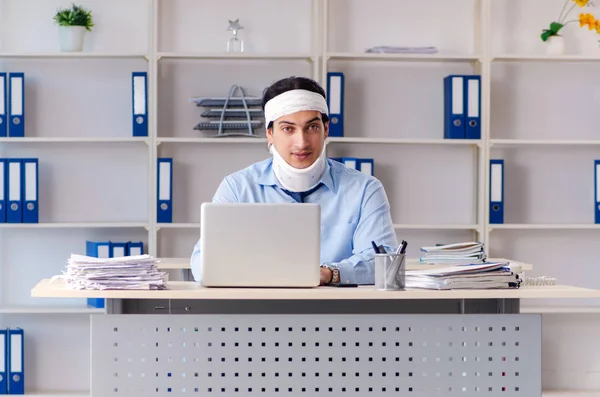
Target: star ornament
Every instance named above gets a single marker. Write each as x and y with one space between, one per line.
235 25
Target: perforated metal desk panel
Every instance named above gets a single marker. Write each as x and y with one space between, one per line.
313 343
293 355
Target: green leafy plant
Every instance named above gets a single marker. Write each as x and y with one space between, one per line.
585 19
74 16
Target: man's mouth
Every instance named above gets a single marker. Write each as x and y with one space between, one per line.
301 155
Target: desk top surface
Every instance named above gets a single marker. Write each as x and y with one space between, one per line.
192 290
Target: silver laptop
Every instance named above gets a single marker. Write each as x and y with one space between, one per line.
260 245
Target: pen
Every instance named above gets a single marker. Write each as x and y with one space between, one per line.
404 244
399 249
375 248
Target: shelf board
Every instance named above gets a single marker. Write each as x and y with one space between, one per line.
72 225
540 226
228 55
400 226
50 310
73 140
404 141
213 140
403 57
545 58
575 142
70 55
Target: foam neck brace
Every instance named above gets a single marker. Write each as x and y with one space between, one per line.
297 180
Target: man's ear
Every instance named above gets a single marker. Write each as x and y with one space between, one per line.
326 127
269 135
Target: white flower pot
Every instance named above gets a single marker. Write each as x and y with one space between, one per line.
71 38
555 45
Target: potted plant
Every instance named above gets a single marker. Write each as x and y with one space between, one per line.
73 23
556 45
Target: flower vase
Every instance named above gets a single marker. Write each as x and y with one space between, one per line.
71 38
555 45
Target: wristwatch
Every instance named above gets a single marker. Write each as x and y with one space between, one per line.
335 271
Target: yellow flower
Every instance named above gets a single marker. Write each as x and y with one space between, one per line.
581 3
597 26
587 19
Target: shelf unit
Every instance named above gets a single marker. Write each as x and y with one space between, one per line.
309 47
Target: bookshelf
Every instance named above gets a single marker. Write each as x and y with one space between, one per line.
98 182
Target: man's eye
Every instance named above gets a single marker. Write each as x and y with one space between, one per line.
314 126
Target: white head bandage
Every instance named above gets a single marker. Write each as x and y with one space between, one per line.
294 101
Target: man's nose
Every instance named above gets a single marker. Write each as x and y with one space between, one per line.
301 138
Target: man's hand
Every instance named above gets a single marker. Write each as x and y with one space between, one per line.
326 275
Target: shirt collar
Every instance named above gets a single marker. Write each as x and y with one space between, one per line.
268 178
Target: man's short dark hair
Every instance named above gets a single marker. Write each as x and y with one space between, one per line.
292 83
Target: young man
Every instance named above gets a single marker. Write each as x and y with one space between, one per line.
354 206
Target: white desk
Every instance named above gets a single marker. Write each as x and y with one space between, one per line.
305 352
192 290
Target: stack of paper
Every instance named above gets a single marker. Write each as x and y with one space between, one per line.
454 254
384 49
129 272
483 276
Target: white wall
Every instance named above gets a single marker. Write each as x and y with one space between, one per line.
426 184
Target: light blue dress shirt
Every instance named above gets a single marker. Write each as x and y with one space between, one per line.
354 211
